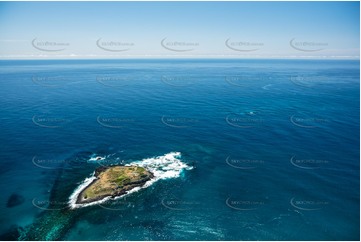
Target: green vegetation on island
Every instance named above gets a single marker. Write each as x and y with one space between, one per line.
113 181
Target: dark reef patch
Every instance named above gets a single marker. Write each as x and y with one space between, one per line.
15 200
12 234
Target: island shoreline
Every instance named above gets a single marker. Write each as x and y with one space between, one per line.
117 193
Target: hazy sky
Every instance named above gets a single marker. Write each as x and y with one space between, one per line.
179 29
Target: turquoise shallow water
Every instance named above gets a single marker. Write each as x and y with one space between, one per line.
274 146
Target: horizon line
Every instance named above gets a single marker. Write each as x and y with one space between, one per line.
356 58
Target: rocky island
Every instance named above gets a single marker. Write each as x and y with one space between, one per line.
113 181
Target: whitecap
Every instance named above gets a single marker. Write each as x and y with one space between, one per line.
266 87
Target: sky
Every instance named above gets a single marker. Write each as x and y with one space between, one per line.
52 30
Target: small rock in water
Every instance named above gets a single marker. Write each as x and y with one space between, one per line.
15 200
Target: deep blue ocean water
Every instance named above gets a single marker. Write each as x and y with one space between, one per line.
274 145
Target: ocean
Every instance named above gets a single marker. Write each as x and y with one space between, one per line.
253 149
